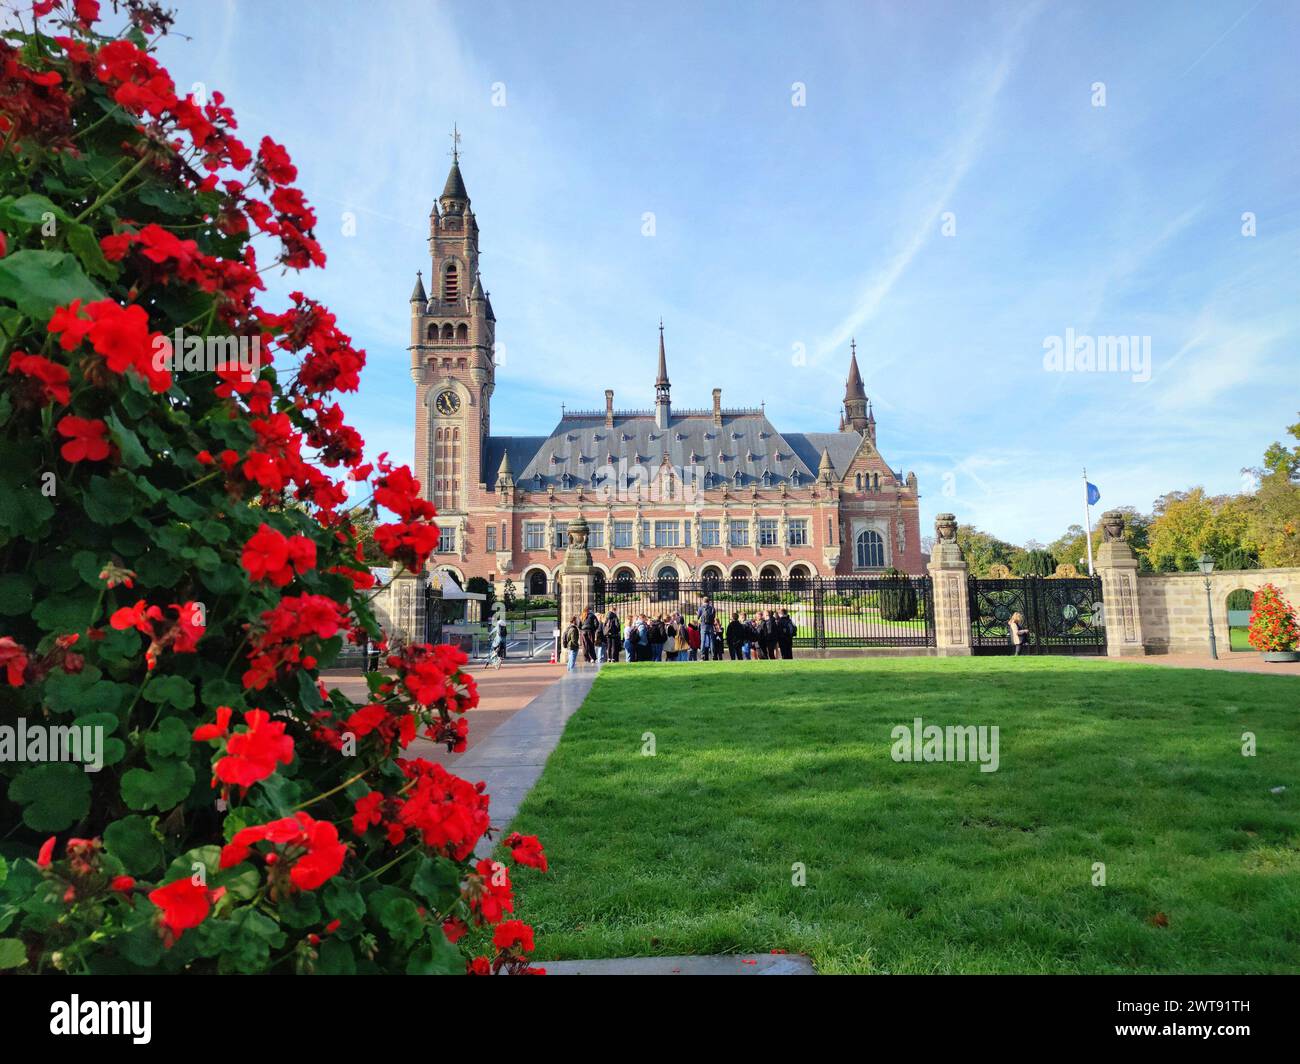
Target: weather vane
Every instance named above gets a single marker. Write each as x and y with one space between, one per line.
455 143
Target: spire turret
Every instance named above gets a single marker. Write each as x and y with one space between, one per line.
856 414
663 404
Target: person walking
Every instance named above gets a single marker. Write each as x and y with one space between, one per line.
571 641
786 630
1017 633
499 645
735 637
587 627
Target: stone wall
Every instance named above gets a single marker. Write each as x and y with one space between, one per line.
1173 605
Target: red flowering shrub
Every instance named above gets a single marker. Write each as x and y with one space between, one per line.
1272 621
181 560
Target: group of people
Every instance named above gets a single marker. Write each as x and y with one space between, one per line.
673 637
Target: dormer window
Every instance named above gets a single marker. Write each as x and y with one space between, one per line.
794 478
537 479
767 478
736 478
566 481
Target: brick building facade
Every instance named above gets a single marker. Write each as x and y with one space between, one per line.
713 493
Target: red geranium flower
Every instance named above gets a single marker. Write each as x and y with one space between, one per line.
46 854
13 659
526 850
85 439
184 904
252 755
52 377
514 934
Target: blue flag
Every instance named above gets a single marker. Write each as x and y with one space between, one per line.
1093 494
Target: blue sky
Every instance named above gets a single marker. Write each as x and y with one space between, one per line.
780 230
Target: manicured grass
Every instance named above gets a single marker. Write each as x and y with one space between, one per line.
925 867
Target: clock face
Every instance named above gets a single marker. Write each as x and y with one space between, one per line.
448 402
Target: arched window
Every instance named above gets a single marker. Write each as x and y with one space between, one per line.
447 331
433 331
711 578
462 333
450 283
858 481
740 579
624 581
770 575
870 549
798 578
666 585
537 583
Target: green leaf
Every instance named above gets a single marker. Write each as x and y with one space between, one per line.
133 841
54 795
13 954
170 690
142 945
439 957
222 693
23 507
81 239
83 692
108 501
67 613
128 442
343 900
401 918
336 958
434 878
170 739
162 787
37 282
15 594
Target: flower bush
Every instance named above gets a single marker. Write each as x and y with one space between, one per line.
181 560
1272 621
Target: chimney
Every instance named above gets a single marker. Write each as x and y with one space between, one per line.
609 408
717 406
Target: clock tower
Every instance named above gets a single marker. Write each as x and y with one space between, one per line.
453 336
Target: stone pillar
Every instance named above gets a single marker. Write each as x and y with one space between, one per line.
1118 569
401 608
949 573
578 577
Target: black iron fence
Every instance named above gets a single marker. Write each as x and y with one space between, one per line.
871 611
1064 615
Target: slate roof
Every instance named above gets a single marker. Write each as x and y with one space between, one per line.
745 442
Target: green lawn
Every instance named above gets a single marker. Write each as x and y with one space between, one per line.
925 867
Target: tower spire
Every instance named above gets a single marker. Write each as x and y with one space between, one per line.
663 405
856 414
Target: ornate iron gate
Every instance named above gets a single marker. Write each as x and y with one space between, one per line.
1064 615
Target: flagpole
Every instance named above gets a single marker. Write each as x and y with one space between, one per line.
1087 520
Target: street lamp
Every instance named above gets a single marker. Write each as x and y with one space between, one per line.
1207 567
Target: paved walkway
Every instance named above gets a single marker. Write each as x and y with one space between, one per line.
502 693
511 760
1236 661
727 964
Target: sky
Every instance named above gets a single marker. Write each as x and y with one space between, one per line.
966 188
